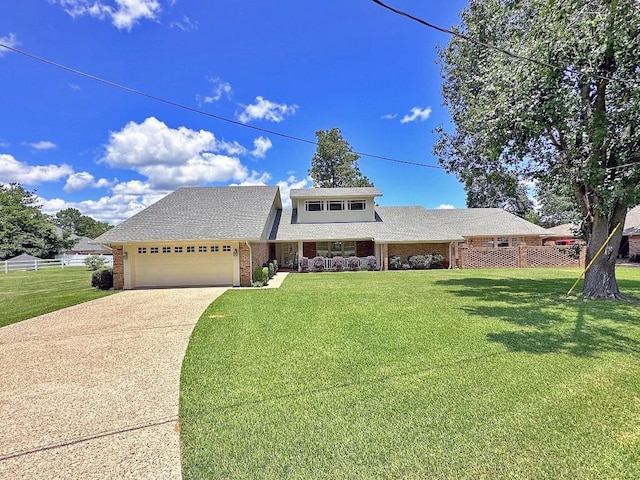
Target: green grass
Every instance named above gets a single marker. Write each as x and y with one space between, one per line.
435 374
28 294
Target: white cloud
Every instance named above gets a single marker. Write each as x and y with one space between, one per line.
266 110
220 89
111 209
186 25
445 206
232 148
12 170
261 145
10 41
287 185
417 113
81 180
171 158
43 145
255 179
123 14
389 116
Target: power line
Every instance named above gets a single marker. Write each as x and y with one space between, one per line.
493 47
198 111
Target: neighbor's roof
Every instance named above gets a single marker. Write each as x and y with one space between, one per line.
83 245
485 222
564 230
198 213
632 223
392 224
23 257
335 192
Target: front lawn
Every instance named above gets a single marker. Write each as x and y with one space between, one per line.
432 374
28 294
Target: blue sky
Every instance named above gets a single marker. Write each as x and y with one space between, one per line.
291 67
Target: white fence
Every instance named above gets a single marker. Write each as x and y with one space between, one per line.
78 260
62 262
31 265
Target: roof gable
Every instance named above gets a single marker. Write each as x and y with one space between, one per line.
201 213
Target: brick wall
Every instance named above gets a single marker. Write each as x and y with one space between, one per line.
118 268
245 265
405 250
520 257
260 254
634 247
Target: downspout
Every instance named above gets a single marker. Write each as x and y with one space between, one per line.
250 263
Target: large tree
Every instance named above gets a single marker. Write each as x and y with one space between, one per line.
23 226
568 111
334 163
73 221
496 190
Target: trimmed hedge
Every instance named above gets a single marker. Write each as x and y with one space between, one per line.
102 278
260 276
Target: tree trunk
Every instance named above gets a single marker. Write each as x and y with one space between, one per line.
600 280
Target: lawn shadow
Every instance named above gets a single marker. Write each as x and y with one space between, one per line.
542 319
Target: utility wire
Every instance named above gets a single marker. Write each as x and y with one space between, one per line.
200 112
493 47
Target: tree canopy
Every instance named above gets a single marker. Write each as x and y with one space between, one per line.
23 226
335 164
73 221
563 104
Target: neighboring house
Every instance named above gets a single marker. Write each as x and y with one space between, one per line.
629 245
632 233
218 235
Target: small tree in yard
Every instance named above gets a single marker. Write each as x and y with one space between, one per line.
94 262
569 114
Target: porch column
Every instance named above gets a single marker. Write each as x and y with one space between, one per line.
385 256
300 254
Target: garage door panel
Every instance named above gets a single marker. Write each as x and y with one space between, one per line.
183 268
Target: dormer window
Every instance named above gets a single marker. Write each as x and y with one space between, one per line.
314 205
357 204
336 205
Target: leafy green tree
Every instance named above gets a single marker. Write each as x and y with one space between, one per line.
23 226
496 190
556 204
570 112
73 221
334 163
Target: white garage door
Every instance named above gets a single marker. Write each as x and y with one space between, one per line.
182 265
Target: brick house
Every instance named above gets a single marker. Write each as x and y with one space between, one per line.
218 235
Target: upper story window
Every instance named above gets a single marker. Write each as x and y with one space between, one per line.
335 205
357 204
314 205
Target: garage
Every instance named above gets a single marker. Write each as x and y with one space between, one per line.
182 264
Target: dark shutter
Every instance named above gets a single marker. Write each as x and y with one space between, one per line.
365 248
309 249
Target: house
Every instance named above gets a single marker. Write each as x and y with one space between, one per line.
565 234
631 233
218 235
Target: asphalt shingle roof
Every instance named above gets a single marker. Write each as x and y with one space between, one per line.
393 224
484 222
344 192
197 213
632 224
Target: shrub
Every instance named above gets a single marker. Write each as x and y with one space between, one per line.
395 263
354 263
275 265
271 268
338 263
372 263
406 266
261 276
304 264
94 262
438 261
418 262
317 264
102 278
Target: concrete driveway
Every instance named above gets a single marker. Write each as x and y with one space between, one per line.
92 391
